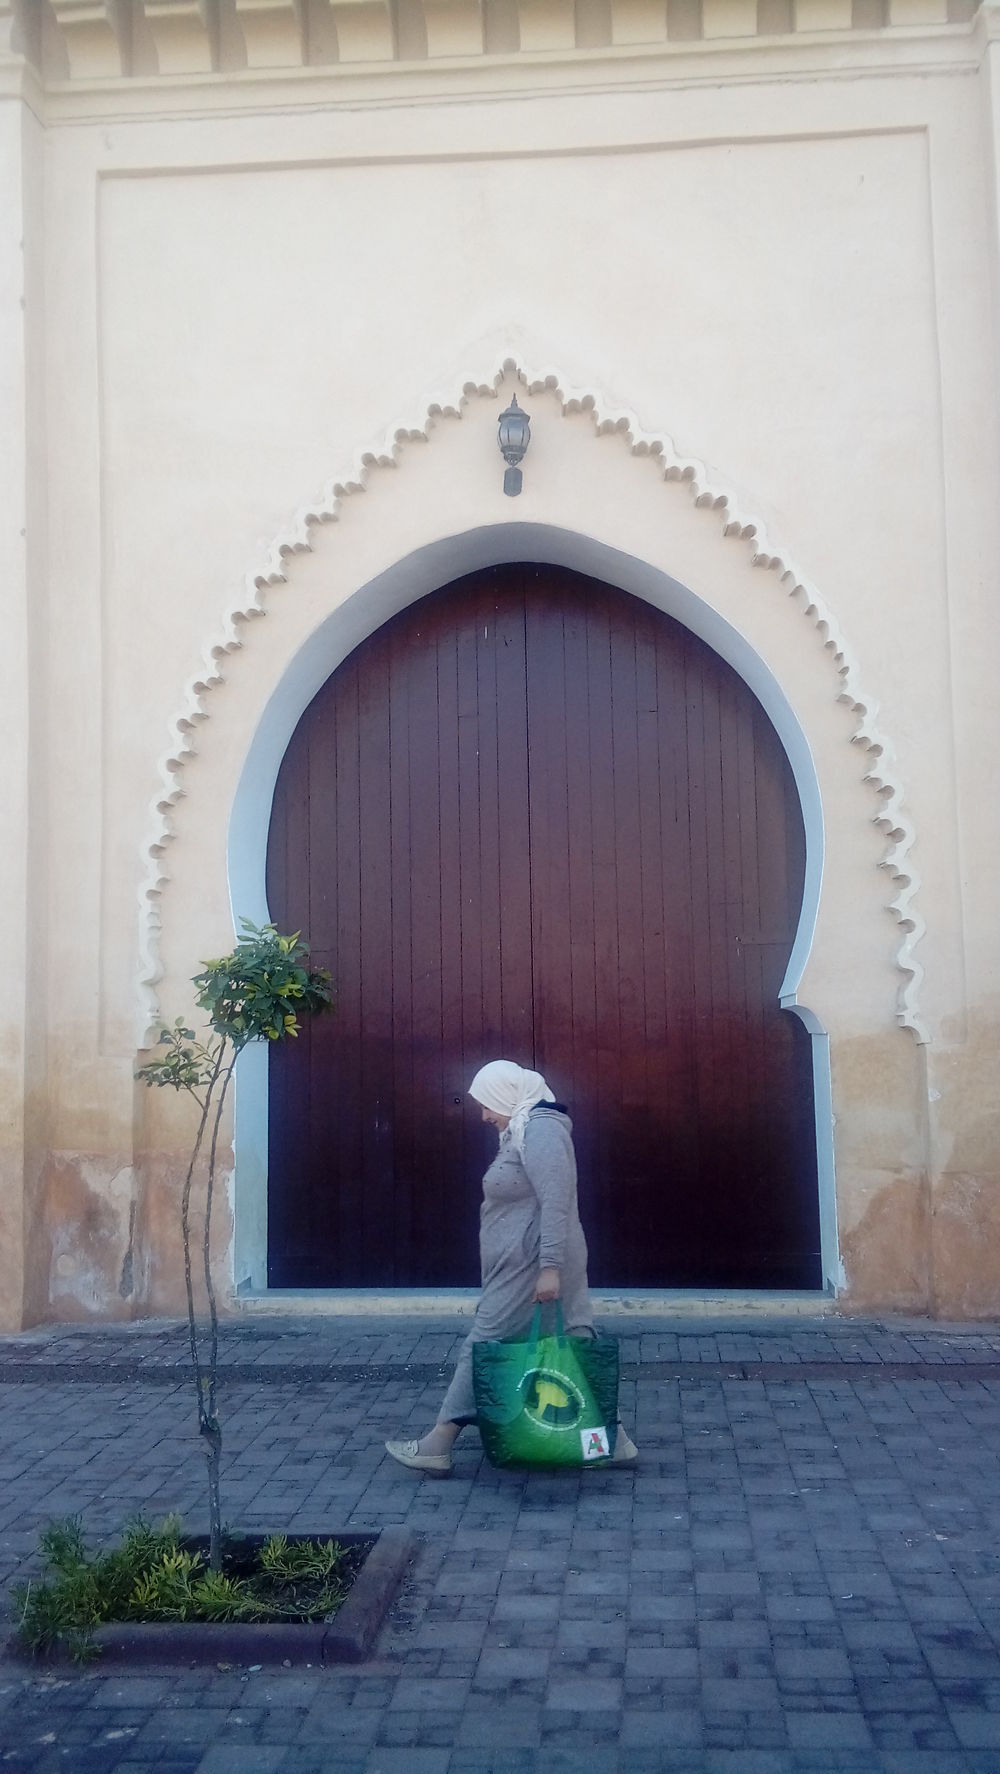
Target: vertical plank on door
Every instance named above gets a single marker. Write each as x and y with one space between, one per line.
606 957
377 1107
424 1183
513 889
289 1116
398 938
651 1239
549 814
338 1137
452 1232
576 1075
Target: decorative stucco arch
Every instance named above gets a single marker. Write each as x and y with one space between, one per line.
589 505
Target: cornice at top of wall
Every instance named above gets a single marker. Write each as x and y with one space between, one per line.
80 59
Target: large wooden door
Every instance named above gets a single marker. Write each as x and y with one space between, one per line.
533 818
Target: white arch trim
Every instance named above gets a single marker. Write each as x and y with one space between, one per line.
706 491
407 580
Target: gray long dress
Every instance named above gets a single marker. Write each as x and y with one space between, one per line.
528 1221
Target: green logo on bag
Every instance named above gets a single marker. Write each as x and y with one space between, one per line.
552 1400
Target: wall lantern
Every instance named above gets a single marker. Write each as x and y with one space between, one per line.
514 436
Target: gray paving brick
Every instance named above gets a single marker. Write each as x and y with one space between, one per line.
242 1758
495 1761
741 1694
813 1663
501 1726
828 1730
976 1730
668 1730
568 1693
660 1662
499 1667
414 1760
592 1631
353 1725
411 1694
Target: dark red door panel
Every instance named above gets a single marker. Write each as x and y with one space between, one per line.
534 818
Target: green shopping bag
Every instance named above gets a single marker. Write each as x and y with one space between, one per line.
552 1401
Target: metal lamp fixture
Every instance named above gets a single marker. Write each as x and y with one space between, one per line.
514 436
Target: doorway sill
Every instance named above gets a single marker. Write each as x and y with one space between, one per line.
460 1302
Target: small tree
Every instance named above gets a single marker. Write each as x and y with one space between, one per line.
258 992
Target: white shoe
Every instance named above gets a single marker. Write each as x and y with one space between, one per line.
407 1453
626 1453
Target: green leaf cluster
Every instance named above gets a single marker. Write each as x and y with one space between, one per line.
188 1064
153 1576
259 991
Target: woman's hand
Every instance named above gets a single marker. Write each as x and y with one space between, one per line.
547 1285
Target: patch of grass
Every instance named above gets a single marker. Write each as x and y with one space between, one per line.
157 1575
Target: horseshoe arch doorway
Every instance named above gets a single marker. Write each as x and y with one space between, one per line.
532 816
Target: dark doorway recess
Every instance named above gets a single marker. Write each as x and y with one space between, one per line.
534 818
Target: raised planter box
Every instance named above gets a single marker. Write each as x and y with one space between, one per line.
347 1637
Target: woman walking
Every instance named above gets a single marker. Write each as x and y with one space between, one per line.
531 1245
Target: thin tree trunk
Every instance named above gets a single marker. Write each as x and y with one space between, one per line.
213 1451
210 1426
186 1231
205 1427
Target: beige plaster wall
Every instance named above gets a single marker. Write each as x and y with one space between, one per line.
22 699
788 273
14 667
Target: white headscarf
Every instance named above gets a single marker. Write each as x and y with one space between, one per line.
510 1090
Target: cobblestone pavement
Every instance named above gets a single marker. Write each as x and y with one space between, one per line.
802 1576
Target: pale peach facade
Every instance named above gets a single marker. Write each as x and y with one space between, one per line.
268 272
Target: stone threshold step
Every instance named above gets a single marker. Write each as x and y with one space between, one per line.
461 1303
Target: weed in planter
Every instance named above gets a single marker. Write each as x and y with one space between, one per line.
295 1579
155 1575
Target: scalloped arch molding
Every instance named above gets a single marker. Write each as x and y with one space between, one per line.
706 492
